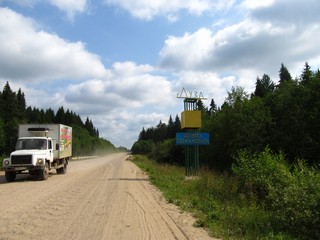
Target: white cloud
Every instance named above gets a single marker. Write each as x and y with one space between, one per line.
270 33
71 7
188 51
28 53
127 86
255 4
206 84
122 127
250 44
147 10
302 14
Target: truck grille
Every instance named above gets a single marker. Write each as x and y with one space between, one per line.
21 159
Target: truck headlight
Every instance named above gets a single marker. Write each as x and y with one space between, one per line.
6 162
40 160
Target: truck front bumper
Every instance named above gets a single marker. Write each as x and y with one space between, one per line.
21 168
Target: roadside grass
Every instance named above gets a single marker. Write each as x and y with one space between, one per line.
214 200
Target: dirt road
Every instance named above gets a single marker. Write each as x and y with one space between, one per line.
102 198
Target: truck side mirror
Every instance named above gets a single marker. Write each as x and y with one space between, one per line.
57 146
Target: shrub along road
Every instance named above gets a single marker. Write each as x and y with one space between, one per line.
101 198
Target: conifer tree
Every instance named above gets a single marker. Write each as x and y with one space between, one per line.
306 74
213 108
10 116
284 74
200 105
21 105
142 135
263 86
49 115
170 130
60 116
177 124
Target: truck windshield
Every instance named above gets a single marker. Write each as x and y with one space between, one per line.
24 144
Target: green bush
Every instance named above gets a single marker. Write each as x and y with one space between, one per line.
143 147
258 172
290 194
297 206
168 152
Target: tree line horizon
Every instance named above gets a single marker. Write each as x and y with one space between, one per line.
14 111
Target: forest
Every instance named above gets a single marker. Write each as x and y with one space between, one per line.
283 116
265 147
14 111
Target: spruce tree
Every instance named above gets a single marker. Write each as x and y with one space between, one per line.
170 130
21 105
142 135
10 117
284 74
306 74
60 116
213 107
177 124
263 86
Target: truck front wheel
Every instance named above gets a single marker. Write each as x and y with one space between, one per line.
44 173
10 176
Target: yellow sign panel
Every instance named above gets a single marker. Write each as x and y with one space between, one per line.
191 119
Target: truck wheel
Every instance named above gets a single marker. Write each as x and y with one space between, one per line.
64 168
44 173
10 176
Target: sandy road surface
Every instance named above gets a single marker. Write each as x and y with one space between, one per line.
102 198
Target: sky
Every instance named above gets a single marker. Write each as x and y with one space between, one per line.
122 62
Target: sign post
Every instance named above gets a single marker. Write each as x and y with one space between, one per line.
191 138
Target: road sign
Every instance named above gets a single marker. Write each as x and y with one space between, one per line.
192 138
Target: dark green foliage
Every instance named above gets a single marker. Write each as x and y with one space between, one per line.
159 142
2 135
263 86
167 151
307 74
200 105
10 116
13 111
284 75
241 123
143 147
213 108
291 194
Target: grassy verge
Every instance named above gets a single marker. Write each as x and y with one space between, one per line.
214 200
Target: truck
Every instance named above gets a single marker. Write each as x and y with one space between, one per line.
39 148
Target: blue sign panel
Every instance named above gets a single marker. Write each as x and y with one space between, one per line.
192 138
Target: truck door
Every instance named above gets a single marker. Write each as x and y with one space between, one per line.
50 148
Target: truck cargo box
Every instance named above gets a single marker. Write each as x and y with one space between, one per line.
60 134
